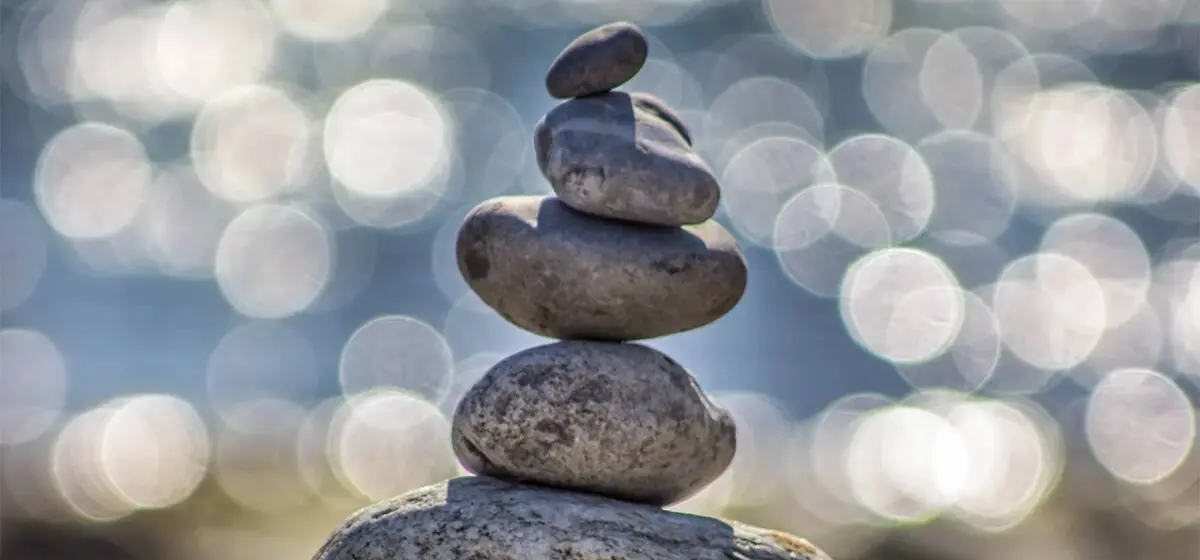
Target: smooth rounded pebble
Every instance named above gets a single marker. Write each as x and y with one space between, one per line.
563 274
480 518
598 61
624 157
619 420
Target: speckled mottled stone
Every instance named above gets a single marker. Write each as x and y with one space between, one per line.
620 420
563 274
625 157
598 61
478 518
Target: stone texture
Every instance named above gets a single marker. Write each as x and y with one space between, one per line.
659 108
477 518
563 274
625 157
619 420
598 61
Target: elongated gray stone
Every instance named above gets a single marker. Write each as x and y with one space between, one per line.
598 61
562 274
622 157
479 518
620 420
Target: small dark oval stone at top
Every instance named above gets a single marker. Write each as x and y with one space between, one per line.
598 61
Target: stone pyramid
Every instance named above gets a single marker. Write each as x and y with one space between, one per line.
577 445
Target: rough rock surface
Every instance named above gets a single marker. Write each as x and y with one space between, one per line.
563 274
625 157
619 420
478 518
598 61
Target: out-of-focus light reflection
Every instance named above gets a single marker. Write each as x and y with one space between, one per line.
902 304
106 31
975 187
907 464
373 122
892 83
439 58
1163 418
257 463
824 229
252 143
492 143
23 252
1138 342
1051 310
951 82
1113 144
207 46
1181 134
33 384
1023 79
43 55
832 28
273 261
829 455
754 101
1057 16
762 176
893 175
397 352
77 468
260 360
1010 461
388 442
91 180
971 357
154 450
1112 253
317 20
29 484
316 464
762 431
471 327
181 223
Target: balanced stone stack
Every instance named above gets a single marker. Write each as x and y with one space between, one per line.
577 445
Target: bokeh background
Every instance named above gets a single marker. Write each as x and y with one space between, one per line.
231 314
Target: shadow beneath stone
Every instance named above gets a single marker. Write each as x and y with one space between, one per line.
547 216
553 217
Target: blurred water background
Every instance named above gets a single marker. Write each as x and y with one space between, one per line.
231 313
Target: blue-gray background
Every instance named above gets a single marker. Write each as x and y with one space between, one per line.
126 315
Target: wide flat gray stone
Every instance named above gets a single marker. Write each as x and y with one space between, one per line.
625 157
477 518
620 420
563 274
598 61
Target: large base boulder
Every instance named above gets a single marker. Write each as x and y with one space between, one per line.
481 518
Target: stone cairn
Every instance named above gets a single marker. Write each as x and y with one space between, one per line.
577 444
